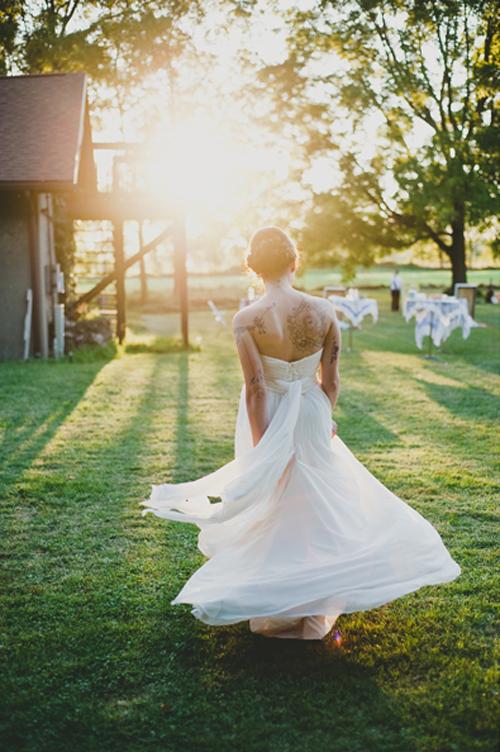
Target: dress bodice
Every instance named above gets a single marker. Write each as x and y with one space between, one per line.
278 373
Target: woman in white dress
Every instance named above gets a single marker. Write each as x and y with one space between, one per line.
302 531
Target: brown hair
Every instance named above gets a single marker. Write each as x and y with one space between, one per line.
270 252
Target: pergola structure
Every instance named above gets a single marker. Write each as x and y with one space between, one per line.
47 150
117 206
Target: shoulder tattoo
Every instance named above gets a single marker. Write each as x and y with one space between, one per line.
258 324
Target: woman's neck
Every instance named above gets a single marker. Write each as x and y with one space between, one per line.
281 284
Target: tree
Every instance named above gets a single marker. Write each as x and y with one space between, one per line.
68 35
419 79
117 44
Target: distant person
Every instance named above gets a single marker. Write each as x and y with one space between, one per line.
395 291
490 294
303 531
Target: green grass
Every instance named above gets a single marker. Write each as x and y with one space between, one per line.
94 657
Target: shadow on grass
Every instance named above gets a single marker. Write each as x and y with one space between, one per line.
303 693
183 441
467 402
50 392
99 659
359 428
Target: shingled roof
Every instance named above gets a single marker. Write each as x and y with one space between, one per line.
45 140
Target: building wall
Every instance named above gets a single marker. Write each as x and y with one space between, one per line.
15 272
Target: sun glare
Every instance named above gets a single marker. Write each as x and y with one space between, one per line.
198 164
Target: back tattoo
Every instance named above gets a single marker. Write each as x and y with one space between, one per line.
307 326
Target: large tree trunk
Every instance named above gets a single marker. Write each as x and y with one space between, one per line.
457 249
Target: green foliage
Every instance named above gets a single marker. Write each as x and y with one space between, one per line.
10 13
93 655
116 44
107 40
429 73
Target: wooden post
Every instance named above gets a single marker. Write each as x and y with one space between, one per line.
119 254
120 280
179 234
142 268
180 250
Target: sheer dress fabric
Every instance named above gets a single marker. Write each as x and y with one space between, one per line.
303 532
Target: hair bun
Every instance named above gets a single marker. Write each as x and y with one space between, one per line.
270 252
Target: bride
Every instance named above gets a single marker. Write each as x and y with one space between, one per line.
301 531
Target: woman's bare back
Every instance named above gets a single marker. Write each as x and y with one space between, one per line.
286 324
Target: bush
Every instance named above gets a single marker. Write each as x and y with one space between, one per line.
92 331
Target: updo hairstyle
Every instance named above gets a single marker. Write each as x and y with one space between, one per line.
270 252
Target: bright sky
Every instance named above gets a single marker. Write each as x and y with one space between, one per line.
216 159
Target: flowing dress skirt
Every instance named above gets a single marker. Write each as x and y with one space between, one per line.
303 532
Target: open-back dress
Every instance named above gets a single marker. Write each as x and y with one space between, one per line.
303 532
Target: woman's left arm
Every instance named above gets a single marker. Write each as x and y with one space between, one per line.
329 374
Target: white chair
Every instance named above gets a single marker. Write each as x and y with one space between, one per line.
219 317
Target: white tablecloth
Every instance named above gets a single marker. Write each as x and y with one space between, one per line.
437 318
355 309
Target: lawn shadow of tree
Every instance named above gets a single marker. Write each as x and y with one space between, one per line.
48 402
466 402
196 452
359 428
125 666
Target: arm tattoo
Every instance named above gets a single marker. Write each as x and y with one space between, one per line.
258 378
307 327
258 324
334 353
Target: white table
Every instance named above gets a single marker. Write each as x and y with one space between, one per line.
354 309
436 318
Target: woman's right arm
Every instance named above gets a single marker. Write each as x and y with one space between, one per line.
253 374
329 372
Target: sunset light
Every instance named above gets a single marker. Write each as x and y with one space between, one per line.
249 346
200 165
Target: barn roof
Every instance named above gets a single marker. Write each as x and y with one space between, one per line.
45 141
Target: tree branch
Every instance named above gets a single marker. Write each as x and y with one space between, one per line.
393 65
465 108
447 70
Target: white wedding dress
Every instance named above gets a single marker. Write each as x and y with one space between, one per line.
302 532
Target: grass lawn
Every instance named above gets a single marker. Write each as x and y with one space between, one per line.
94 657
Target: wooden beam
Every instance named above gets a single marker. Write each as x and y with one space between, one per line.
109 278
111 205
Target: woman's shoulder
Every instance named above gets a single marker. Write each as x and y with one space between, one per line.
306 301
247 314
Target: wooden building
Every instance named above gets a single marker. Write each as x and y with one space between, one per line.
45 148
